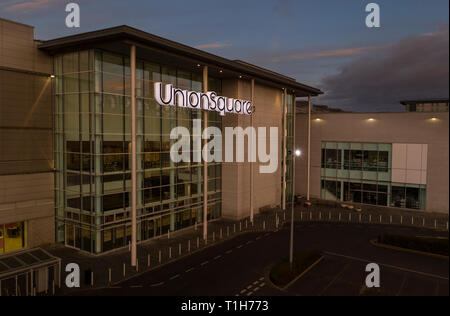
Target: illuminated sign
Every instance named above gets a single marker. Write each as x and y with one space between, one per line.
209 101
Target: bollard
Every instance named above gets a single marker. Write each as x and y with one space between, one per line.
240 226
234 228
360 218
329 216
349 217
310 216
390 219
381 219
170 252
198 242
189 245
424 222
412 220
160 257
320 216
340 216
214 236
148 260
246 224
53 288
370 218
92 278
179 249
221 235
284 216
435 223
401 220
168 234
301 216
109 275
447 225
264 225
195 226
228 231
124 270
137 265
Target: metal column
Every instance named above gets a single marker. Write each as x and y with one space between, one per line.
133 156
205 163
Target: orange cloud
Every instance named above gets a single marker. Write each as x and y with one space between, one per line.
212 45
29 6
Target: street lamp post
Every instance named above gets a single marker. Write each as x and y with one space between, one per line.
296 154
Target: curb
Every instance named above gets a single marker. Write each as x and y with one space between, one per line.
375 243
284 289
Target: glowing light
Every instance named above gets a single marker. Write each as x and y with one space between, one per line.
52 76
318 120
298 153
371 120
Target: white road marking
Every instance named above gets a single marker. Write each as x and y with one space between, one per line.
390 266
205 263
136 286
229 251
189 270
175 277
157 284
218 257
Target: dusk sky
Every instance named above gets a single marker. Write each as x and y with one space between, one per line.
323 43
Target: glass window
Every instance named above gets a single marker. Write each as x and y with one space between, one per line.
398 196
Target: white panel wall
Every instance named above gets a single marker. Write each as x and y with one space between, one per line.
409 163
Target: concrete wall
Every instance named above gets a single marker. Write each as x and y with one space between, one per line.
26 134
404 128
236 176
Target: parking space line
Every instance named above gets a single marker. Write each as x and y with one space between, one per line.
189 270
175 277
335 279
204 263
390 266
157 284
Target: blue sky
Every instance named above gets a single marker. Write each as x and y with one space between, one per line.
316 42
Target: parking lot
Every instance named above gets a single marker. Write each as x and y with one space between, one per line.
339 275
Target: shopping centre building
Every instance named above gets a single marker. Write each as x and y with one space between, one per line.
68 136
398 160
75 111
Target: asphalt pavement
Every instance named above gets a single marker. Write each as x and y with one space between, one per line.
239 267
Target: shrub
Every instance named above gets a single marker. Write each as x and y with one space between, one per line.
281 273
426 244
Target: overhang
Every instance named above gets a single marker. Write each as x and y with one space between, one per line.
127 35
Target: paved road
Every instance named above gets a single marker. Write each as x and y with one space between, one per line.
239 266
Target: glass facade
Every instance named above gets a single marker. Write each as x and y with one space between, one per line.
93 152
361 173
288 124
12 237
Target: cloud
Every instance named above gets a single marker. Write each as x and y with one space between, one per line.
212 45
346 52
413 68
283 7
26 7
